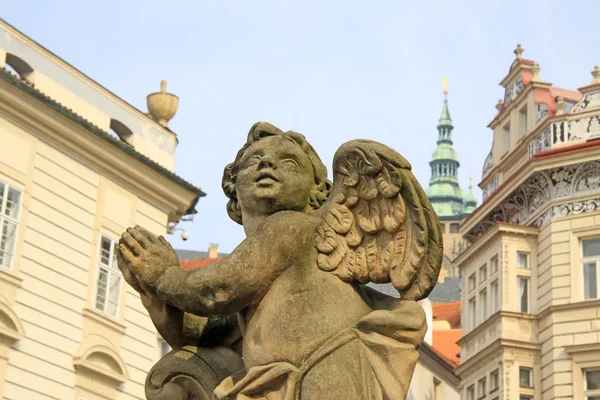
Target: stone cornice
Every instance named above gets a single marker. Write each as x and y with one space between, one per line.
97 152
569 307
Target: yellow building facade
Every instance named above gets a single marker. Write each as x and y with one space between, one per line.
78 165
530 298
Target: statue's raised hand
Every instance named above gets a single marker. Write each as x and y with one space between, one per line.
146 255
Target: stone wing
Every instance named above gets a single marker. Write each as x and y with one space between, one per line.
378 225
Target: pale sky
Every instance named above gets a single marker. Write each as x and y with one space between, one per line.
332 70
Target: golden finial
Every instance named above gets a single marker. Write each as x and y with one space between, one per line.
445 85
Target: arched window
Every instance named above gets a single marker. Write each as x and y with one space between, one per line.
121 132
19 67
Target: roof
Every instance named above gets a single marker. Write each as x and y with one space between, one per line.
190 254
445 116
30 89
447 312
448 291
189 265
566 94
445 343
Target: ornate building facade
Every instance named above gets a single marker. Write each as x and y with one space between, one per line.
531 273
78 165
448 199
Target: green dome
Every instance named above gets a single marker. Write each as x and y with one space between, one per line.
444 151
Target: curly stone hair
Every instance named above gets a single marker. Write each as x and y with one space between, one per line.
261 130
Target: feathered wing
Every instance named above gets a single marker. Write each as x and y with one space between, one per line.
378 225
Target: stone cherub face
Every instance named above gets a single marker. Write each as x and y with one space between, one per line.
275 171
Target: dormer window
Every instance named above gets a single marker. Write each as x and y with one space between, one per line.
523 121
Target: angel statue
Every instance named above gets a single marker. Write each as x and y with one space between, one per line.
288 315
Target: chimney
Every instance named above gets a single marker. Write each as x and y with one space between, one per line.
213 250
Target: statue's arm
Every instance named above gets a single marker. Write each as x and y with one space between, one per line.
243 277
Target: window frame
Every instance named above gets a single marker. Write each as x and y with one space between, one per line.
526 253
473 312
483 312
586 392
14 220
483 273
111 271
494 380
482 384
471 392
530 371
495 287
494 265
523 121
519 300
587 260
472 281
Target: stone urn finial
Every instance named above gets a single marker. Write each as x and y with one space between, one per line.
596 75
519 52
499 105
561 105
162 106
535 71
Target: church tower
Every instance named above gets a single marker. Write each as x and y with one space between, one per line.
447 197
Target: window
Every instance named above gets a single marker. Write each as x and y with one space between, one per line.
591 384
443 228
523 260
506 134
494 265
481 387
471 393
473 313
495 296
483 304
590 262
454 228
10 207
523 294
483 274
525 377
494 380
523 121
108 284
472 282
164 348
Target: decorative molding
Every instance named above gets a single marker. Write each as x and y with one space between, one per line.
490 187
513 90
488 164
541 112
584 128
589 101
540 189
540 143
12 332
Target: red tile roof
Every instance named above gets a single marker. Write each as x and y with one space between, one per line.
447 312
566 94
444 342
189 265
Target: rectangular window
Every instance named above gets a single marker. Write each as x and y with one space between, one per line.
471 393
481 388
108 283
443 228
494 380
523 294
525 377
472 282
454 228
495 296
473 313
523 260
506 134
523 121
590 263
494 265
10 207
483 274
591 384
483 304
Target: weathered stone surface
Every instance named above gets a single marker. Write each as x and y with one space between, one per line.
291 298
